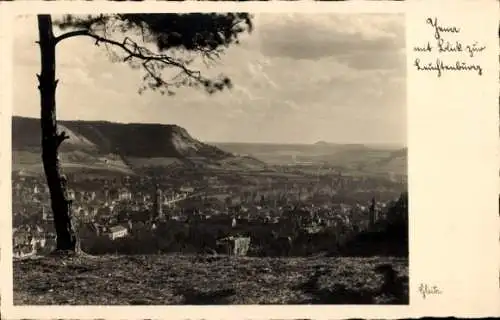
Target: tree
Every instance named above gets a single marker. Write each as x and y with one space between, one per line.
179 40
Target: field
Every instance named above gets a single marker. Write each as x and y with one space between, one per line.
190 279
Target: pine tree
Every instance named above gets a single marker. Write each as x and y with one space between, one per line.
203 35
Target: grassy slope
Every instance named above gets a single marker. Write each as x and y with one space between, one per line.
182 279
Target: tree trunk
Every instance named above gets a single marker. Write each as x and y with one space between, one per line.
51 139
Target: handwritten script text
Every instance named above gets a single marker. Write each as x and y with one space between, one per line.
452 54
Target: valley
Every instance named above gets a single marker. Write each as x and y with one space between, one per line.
138 148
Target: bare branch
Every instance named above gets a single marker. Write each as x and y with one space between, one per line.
71 34
133 50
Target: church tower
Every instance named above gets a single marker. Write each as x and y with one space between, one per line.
373 213
158 203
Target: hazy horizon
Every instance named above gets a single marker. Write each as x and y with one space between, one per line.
299 79
245 142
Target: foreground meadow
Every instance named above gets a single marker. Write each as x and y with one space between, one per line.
185 279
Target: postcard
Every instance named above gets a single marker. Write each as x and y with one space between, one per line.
253 160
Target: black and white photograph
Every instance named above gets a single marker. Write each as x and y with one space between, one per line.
198 158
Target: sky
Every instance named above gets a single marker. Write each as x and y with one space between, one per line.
298 78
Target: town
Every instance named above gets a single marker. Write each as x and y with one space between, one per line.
138 214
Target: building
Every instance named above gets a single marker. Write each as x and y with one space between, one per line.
158 203
186 189
25 243
235 246
117 232
47 216
71 194
124 194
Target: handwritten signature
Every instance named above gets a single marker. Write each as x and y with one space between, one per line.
428 290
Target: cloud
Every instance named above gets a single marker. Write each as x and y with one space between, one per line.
76 76
297 78
107 75
362 41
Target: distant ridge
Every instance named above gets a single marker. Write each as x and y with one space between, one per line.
118 147
321 143
104 147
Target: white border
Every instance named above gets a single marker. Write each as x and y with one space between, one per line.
453 210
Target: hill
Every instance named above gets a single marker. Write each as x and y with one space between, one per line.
120 148
349 158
